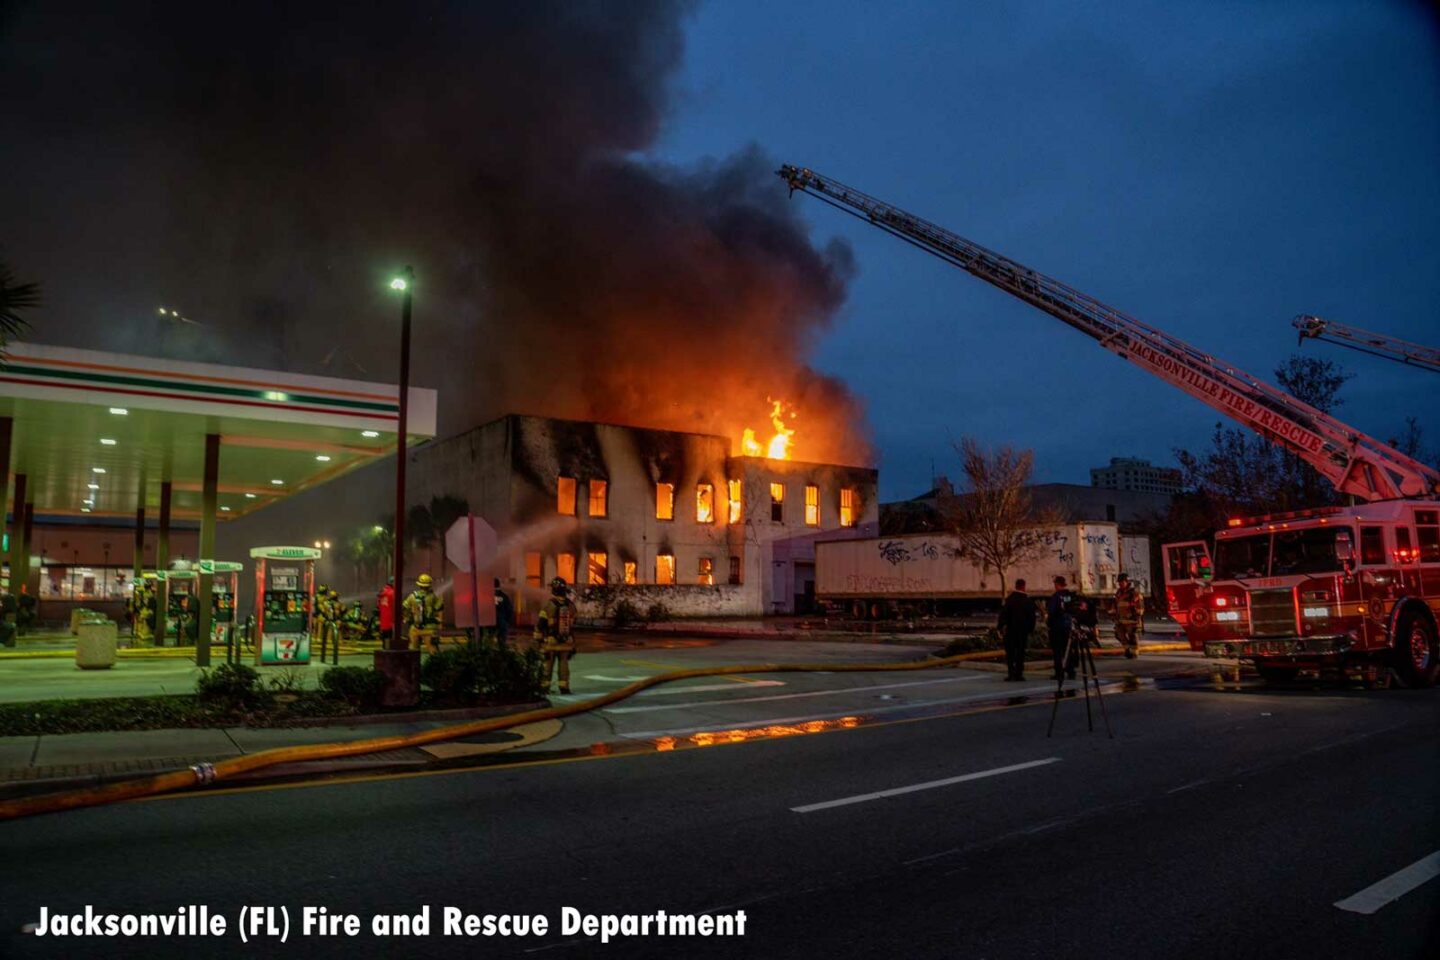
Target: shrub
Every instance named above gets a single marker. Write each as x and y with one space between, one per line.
287 680
230 685
657 613
624 614
355 685
482 671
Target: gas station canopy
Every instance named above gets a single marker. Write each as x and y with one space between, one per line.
97 433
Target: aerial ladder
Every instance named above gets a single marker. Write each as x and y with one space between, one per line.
1366 341
1355 463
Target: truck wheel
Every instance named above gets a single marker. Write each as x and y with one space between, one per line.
1415 655
1278 674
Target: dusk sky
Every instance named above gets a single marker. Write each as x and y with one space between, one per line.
1211 168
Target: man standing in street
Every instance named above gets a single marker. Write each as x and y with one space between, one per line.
1057 622
1129 614
1017 622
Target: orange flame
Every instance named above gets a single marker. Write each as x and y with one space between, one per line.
779 445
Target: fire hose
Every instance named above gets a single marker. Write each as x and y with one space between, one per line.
204 774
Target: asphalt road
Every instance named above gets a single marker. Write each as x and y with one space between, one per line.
1214 823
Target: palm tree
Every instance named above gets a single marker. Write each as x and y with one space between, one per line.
14 297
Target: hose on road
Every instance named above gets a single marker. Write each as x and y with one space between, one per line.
207 773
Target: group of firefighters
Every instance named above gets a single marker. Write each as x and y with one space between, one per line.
1067 614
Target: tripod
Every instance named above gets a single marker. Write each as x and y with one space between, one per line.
1080 644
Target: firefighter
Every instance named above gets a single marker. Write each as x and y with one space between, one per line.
423 611
1129 615
385 608
147 608
355 624
554 630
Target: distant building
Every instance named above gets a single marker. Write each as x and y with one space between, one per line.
1072 502
1139 476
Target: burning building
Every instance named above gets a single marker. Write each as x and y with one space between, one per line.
652 516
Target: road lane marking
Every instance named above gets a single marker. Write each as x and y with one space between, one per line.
786 696
929 785
1393 887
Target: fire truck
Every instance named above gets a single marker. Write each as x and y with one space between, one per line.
1338 588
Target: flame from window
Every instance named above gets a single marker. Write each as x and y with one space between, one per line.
779 446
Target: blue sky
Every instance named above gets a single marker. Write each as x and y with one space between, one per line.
1211 168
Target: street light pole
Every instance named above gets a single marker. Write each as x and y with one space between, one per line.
403 283
399 666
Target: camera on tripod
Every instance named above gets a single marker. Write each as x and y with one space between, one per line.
1082 611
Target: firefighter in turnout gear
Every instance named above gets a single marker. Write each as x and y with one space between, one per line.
1129 615
554 630
423 611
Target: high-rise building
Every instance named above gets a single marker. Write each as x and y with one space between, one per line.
1140 476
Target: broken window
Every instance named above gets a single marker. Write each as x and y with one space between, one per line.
737 501
565 567
665 568
847 506
533 573
777 503
565 496
597 568
664 501
735 571
705 503
630 576
706 572
812 506
599 498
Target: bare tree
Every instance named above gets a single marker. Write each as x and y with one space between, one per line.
994 519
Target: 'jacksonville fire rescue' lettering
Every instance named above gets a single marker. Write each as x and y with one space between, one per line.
1263 419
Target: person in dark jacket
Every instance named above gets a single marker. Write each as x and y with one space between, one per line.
1016 623
1057 621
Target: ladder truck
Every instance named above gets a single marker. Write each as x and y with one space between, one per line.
1331 589
1375 344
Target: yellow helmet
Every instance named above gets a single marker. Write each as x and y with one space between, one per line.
424 580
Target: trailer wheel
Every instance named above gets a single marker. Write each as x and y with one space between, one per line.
1416 659
1278 674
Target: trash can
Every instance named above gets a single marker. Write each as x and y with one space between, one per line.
76 615
95 645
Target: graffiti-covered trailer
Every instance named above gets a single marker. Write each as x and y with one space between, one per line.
918 572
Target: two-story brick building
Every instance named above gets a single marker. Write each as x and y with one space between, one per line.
654 516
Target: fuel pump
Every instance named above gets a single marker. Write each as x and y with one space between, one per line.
224 594
284 603
179 592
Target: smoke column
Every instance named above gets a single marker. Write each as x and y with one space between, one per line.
263 166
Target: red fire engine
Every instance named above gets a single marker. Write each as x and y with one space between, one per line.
1334 588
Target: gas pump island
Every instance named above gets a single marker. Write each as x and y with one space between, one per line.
179 595
284 600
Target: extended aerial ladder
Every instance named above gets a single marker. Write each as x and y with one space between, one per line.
1355 463
1366 341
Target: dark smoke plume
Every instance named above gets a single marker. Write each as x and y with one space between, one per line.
263 167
